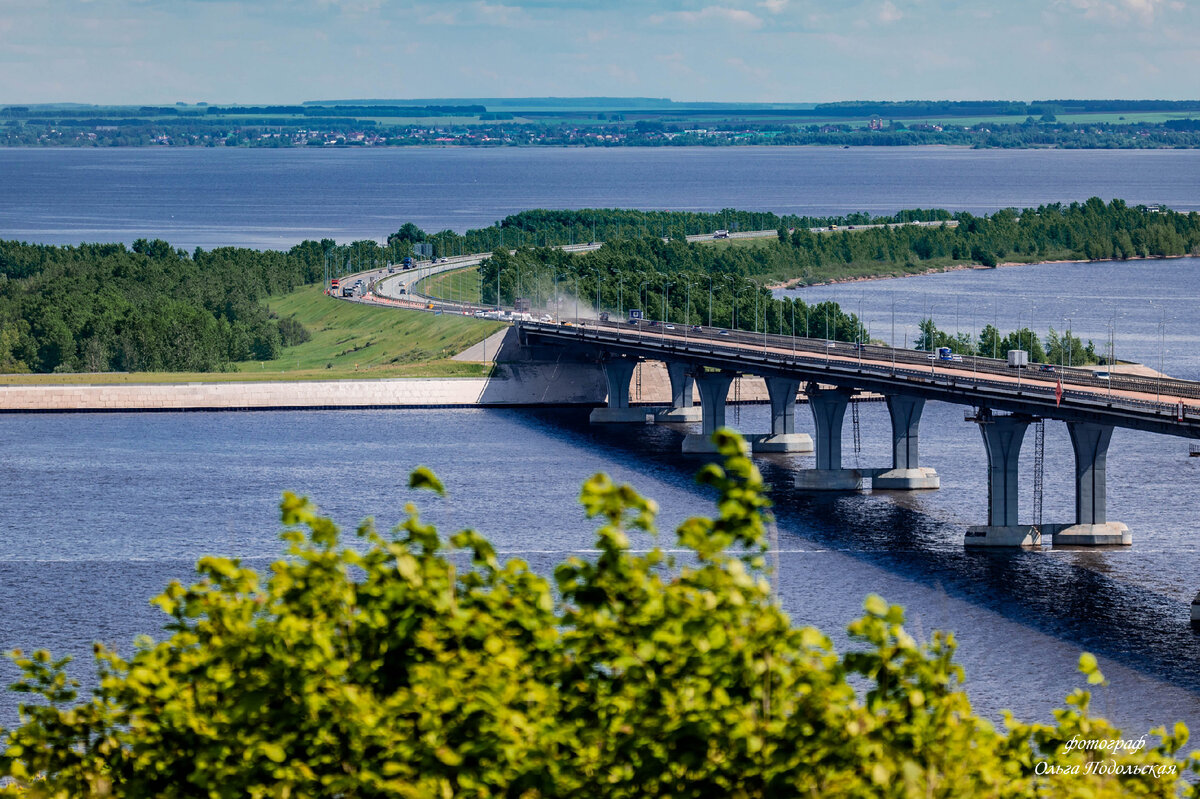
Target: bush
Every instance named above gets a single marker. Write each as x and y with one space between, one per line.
403 671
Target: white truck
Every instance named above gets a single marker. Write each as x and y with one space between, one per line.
1018 359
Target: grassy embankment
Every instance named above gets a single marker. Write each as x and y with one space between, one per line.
460 285
349 341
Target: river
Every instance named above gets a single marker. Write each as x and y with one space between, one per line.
100 511
274 198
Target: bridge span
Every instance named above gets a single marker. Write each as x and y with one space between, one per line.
1003 402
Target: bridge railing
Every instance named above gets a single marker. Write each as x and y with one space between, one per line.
906 365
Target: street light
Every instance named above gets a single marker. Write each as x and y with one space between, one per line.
710 284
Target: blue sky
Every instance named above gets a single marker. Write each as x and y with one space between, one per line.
282 51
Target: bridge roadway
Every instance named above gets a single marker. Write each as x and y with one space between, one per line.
1005 402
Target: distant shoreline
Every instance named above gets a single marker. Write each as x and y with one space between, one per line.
961 267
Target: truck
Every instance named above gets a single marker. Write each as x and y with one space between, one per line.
945 354
1018 359
407 263
721 234
333 286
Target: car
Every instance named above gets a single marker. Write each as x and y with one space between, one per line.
722 332
670 327
653 323
1046 368
697 329
634 321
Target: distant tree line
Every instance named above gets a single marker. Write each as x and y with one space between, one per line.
103 307
284 126
549 228
1058 348
1091 230
670 281
673 280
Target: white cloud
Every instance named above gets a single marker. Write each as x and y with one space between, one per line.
757 73
497 13
712 14
888 12
1121 11
774 6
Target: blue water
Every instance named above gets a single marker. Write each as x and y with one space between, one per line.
1148 308
98 512
275 198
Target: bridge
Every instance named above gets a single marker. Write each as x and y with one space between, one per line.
1004 401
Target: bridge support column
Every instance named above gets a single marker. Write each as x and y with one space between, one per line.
828 406
1092 528
682 407
713 388
1002 437
783 436
906 473
617 373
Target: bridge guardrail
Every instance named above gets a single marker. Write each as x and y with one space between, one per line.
810 351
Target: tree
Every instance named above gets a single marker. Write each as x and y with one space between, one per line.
398 668
989 343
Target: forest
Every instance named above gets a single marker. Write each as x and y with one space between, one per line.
106 308
152 307
724 284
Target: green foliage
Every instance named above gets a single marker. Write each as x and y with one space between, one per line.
102 308
403 667
670 280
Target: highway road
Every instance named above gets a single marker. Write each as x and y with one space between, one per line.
1161 405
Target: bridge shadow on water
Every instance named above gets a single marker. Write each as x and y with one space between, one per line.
1074 602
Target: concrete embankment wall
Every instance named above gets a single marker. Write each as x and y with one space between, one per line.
518 379
513 385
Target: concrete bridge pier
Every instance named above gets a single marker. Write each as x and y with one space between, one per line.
683 408
617 372
1002 437
906 473
1092 528
783 436
714 389
828 406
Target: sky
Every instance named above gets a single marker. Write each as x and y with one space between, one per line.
288 51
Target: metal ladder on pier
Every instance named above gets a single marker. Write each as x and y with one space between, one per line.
1039 463
854 423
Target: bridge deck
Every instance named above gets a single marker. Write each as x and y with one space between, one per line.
1164 406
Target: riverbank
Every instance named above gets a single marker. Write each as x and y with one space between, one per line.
935 270
509 385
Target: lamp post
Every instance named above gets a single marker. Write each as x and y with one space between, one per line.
710 284
687 318
793 304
